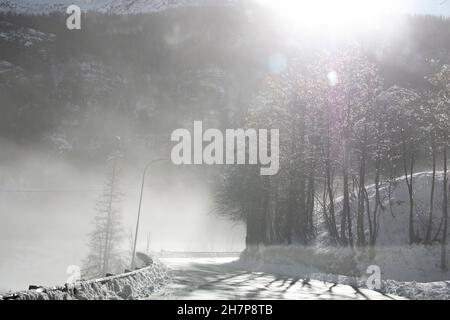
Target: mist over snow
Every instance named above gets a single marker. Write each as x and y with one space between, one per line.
47 205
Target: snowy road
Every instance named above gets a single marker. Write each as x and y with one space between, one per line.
212 278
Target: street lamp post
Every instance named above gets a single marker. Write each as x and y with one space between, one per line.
139 208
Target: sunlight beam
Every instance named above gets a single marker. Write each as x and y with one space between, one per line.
331 14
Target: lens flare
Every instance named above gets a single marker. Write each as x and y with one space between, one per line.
332 78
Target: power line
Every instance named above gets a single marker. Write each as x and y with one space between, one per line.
47 191
56 190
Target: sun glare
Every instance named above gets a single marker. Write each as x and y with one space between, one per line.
332 14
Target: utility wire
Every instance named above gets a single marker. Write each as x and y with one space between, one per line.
55 190
47 191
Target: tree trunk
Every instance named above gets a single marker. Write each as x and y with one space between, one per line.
310 198
346 217
444 266
292 203
251 227
430 217
409 183
361 197
375 222
329 184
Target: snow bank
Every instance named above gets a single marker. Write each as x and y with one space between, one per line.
286 261
406 263
337 260
138 284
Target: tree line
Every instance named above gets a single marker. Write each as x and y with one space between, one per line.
341 130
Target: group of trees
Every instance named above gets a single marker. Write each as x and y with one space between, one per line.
341 130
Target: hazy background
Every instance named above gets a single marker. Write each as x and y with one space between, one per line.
70 99
47 207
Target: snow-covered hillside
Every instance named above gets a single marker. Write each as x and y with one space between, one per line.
393 219
106 6
401 264
398 259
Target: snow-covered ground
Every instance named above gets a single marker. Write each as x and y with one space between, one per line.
438 290
220 278
412 271
398 259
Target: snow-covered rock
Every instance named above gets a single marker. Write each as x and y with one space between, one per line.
10 74
27 37
8 67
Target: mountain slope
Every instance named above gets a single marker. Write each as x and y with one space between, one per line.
106 6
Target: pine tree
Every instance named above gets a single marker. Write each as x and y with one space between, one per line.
104 241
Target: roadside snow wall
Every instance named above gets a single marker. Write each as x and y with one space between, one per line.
137 284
